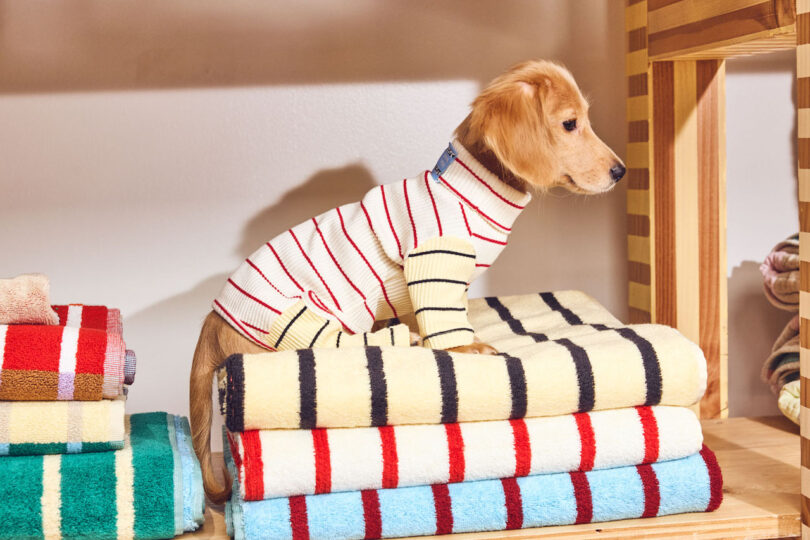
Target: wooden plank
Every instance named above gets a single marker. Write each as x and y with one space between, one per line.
759 458
803 104
686 12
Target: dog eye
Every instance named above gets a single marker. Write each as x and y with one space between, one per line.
570 125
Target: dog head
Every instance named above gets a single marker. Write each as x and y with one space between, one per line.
534 120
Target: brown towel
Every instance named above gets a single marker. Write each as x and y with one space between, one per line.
782 366
780 272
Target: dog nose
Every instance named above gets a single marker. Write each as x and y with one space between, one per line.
617 172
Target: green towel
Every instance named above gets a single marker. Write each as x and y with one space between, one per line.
136 492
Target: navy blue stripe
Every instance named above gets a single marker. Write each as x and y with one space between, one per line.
584 370
517 385
569 316
652 368
447 382
379 387
514 324
307 389
235 397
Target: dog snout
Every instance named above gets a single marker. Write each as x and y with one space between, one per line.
617 172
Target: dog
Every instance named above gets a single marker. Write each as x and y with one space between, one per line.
410 247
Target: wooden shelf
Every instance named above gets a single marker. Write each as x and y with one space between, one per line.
760 462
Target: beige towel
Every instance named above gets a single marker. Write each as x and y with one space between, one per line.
25 299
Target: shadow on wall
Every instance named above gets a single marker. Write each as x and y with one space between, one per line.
753 325
80 45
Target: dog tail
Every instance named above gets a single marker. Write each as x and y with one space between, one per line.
207 358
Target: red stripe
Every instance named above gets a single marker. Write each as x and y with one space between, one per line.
390 474
455 450
371 513
582 493
650 427
501 197
301 248
349 238
255 327
652 493
368 218
482 265
715 478
523 447
35 348
514 503
433 201
444 508
61 312
94 317
319 304
499 242
252 265
237 460
244 330
300 288
587 441
91 350
390 223
462 197
298 518
329 251
243 291
410 215
323 462
254 467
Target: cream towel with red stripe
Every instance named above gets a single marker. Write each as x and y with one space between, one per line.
283 463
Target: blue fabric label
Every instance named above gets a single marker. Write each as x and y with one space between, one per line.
448 157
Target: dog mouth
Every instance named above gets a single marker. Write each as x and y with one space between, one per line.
572 185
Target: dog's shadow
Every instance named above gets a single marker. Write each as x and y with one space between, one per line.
323 191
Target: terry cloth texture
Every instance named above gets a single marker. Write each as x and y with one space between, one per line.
44 363
60 427
282 463
347 264
691 484
95 317
130 362
780 273
25 300
561 353
135 492
782 365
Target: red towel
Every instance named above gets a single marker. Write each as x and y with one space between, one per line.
95 317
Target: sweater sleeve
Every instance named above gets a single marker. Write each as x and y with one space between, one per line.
300 327
438 274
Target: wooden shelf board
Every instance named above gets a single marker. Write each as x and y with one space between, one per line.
760 462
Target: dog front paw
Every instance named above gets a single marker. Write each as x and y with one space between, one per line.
475 348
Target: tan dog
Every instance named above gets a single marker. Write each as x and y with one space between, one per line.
527 131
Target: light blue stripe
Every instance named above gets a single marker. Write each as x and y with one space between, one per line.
407 511
5 448
336 516
684 485
616 494
548 502
268 519
74 447
476 504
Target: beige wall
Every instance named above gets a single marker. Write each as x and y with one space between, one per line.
147 147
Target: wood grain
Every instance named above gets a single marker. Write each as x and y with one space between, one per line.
760 462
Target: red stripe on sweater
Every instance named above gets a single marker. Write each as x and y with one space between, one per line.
410 215
244 292
487 239
33 348
319 304
300 288
368 217
455 451
91 351
329 251
715 478
241 327
254 466
433 201
254 327
464 215
390 223
477 265
523 447
94 317
582 493
652 493
444 508
501 197
513 502
320 277
465 199
379 280
253 265
587 441
371 513
650 428
388 443
323 462
298 518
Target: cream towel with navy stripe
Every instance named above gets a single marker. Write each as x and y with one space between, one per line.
560 353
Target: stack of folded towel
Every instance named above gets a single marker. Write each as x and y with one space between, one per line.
780 273
72 464
578 419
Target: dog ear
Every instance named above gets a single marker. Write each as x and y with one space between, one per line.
509 118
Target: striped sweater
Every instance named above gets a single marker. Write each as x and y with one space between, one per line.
408 247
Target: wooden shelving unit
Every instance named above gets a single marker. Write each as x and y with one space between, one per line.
760 462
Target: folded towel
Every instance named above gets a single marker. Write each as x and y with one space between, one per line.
60 427
25 300
782 365
281 463
95 317
44 363
691 484
130 362
560 353
136 492
780 273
